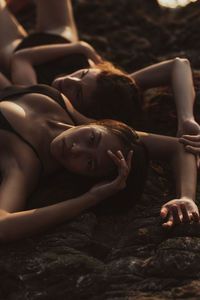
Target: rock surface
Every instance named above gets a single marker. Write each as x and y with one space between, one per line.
128 256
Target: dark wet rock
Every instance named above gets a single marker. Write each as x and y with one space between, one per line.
127 256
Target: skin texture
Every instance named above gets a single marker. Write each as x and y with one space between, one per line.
21 175
78 86
183 164
84 150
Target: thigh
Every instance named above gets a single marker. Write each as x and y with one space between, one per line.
56 17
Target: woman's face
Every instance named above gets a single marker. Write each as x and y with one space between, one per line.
83 150
78 86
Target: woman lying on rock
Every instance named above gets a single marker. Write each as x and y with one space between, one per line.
158 147
41 133
100 91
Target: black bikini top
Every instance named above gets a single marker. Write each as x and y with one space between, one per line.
15 91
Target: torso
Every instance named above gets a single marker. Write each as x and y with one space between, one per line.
38 119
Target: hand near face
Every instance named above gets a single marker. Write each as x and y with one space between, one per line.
179 211
104 190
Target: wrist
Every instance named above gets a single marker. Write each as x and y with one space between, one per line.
188 199
93 198
184 119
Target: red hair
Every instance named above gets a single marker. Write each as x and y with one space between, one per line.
115 97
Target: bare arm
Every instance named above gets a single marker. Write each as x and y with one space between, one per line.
16 225
23 61
182 209
177 74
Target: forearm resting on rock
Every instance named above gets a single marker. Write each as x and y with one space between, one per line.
14 226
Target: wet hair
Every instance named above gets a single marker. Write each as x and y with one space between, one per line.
139 165
116 96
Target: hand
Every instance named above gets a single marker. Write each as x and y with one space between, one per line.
192 144
189 127
104 189
90 52
179 211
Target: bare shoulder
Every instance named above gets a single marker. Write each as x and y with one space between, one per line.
17 159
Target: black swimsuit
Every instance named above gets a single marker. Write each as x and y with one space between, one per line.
17 91
46 72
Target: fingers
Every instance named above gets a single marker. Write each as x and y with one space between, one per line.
163 212
179 214
194 150
169 223
176 215
198 160
195 138
129 158
119 159
124 167
195 216
189 142
186 216
173 218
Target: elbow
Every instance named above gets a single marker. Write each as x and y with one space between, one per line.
182 63
180 60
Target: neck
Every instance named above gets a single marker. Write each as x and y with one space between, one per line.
57 128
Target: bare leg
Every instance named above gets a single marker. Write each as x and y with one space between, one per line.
11 33
56 16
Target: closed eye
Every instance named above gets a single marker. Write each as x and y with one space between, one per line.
91 138
79 92
90 164
84 72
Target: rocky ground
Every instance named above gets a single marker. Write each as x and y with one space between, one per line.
128 256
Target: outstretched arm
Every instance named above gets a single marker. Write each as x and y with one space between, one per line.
23 61
177 74
16 224
183 208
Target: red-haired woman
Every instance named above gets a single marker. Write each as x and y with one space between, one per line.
94 87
